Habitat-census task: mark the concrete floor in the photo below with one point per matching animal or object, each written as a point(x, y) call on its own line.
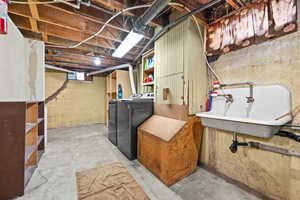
point(79, 148)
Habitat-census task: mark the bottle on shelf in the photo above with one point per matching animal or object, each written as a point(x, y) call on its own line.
point(120, 92)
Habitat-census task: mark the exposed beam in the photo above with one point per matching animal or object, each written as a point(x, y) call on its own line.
point(35, 15)
point(117, 6)
point(81, 59)
point(84, 54)
point(192, 5)
point(68, 34)
point(112, 4)
point(200, 20)
point(96, 16)
point(33, 24)
point(85, 48)
point(233, 4)
point(59, 19)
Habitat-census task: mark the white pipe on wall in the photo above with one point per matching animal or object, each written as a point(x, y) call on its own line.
point(124, 66)
point(58, 69)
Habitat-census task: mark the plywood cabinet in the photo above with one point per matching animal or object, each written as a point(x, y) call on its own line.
point(169, 147)
point(180, 67)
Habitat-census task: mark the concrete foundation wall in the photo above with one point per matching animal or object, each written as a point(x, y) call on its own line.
point(275, 175)
point(79, 104)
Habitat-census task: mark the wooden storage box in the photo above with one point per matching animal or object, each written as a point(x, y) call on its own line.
point(169, 147)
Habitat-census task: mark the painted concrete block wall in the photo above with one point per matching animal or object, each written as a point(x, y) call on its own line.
point(275, 175)
point(80, 103)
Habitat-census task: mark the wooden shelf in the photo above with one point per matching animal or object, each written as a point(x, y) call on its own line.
point(29, 152)
point(149, 71)
point(30, 126)
point(24, 142)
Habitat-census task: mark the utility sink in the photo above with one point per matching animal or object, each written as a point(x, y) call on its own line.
point(263, 118)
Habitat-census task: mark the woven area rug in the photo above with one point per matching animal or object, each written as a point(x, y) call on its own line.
point(110, 181)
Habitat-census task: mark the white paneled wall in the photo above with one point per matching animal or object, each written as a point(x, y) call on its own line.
point(180, 66)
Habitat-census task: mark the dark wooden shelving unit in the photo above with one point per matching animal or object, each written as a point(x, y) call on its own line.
point(22, 143)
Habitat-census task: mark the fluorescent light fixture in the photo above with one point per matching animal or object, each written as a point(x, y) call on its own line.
point(97, 61)
point(130, 41)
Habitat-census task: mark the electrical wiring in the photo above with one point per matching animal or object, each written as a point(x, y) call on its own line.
point(117, 14)
point(35, 2)
point(203, 41)
point(103, 27)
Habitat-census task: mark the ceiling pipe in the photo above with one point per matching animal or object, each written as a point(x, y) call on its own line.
point(156, 7)
point(77, 5)
point(177, 21)
point(58, 68)
point(124, 66)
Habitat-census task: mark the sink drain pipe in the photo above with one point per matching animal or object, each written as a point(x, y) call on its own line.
point(235, 144)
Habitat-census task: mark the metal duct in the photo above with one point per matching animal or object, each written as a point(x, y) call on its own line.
point(150, 14)
point(177, 21)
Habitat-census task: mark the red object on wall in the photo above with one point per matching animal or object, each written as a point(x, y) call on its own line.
point(3, 17)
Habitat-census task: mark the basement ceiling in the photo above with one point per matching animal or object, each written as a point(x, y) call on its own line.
point(60, 25)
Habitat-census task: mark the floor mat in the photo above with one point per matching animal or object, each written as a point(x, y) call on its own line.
point(110, 181)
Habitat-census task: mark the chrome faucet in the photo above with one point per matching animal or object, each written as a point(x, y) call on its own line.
point(250, 98)
point(228, 97)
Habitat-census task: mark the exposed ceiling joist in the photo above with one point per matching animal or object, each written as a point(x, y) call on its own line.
point(81, 59)
point(97, 16)
point(61, 20)
point(60, 32)
point(233, 4)
point(85, 48)
point(117, 6)
point(200, 20)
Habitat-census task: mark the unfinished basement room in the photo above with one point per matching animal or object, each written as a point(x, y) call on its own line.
point(149, 100)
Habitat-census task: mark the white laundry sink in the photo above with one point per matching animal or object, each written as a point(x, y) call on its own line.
point(263, 118)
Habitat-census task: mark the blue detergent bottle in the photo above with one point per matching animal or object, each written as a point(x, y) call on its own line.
point(120, 92)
